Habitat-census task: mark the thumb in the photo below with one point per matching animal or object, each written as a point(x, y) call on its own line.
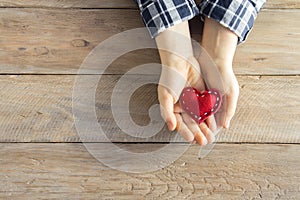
point(230, 109)
point(166, 101)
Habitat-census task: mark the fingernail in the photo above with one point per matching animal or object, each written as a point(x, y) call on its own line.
point(194, 142)
point(170, 126)
point(227, 124)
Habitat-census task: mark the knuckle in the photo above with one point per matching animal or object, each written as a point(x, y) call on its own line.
point(178, 126)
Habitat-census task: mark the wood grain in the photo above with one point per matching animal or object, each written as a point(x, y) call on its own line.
point(69, 4)
point(42, 41)
point(272, 4)
point(68, 171)
point(39, 38)
point(263, 53)
point(282, 4)
point(39, 109)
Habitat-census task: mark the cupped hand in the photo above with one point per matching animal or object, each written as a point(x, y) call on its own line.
point(219, 46)
point(176, 74)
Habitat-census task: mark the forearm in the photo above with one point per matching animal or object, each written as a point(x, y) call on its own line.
point(174, 44)
point(176, 54)
point(220, 44)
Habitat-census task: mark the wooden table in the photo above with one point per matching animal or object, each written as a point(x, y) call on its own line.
point(42, 45)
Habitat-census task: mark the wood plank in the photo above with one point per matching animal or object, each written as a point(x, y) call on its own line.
point(273, 4)
point(269, 48)
point(69, 4)
point(230, 171)
point(282, 4)
point(39, 109)
point(57, 41)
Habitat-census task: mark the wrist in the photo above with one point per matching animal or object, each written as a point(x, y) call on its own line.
point(224, 66)
point(178, 63)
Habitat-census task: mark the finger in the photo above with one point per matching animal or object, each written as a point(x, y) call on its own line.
point(194, 128)
point(166, 108)
point(211, 123)
point(220, 118)
point(232, 100)
point(177, 108)
point(207, 132)
point(183, 129)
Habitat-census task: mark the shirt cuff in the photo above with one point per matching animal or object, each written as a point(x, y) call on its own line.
point(162, 14)
point(236, 15)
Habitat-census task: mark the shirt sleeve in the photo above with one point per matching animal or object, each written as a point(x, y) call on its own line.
point(158, 15)
point(237, 15)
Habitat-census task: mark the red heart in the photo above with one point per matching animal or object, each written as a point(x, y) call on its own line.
point(200, 105)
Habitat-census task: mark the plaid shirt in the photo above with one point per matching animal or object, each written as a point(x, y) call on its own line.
point(237, 15)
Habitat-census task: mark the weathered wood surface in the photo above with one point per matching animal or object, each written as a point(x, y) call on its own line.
point(54, 37)
point(46, 41)
point(39, 109)
point(68, 171)
point(263, 53)
point(69, 4)
point(273, 4)
point(282, 4)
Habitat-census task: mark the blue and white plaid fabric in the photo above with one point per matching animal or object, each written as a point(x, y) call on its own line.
point(237, 15)
point(162, 14)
